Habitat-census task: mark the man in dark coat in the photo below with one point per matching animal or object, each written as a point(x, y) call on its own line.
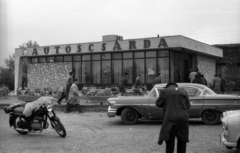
point(197, 79)
point(204, 81)
point(123, 83)
point(222, 84)
point(175, 103)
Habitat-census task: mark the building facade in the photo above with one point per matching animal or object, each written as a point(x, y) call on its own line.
point(104, 63)
point(229, 65)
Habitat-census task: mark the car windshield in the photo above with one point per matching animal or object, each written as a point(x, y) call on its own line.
point(208, 92)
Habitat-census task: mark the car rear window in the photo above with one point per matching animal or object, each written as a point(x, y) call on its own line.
point(192, 92)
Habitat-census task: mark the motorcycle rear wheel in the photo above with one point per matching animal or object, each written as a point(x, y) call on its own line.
point(59, 128)
point(17, 125)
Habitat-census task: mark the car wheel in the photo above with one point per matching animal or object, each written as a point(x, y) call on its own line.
point(129, 116)
point(211, 117)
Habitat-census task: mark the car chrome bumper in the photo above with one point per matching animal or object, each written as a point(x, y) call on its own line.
point(111, 112)
point(226, 143)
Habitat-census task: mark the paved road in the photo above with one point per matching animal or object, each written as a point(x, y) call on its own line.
point(96, 133)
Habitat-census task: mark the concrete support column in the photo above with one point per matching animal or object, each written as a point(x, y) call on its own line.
point(18, 73)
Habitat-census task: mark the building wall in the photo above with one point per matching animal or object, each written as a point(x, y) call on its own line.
point(48, 75)
point(207, 66)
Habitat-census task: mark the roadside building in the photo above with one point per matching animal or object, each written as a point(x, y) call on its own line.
point(229, 65)
point(104, 63)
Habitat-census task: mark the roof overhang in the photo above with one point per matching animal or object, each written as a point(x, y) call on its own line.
point(154, 43)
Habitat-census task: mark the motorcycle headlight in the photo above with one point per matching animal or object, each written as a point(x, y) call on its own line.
point(49, 108)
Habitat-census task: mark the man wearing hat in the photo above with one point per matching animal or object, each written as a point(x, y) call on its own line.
point(175, 103)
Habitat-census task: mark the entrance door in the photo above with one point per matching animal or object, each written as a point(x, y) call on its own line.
point(186, 71)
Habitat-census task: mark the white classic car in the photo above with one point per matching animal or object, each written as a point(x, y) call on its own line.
point(230, 136)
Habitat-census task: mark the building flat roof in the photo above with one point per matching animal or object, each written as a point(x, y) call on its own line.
point(152, 43)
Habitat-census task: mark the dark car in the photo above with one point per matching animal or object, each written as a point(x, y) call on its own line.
point(205, 104)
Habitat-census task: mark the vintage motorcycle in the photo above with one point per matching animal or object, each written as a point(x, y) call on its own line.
point(36, 122)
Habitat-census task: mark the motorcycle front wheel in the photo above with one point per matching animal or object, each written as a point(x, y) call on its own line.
point(20, 125)
point(59, 128)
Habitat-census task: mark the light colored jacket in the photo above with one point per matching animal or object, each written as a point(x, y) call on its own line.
point(73, 96)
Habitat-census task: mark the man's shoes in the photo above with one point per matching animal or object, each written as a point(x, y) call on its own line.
point(66, 112)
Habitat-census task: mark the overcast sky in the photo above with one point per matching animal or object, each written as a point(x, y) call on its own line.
point(53, 22)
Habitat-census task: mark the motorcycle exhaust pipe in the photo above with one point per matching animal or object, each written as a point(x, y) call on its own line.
point(22, 130)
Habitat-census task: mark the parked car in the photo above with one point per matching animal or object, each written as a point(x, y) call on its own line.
point(230, 136)
point(205, 103)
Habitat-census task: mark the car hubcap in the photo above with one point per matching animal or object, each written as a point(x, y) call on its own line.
point(211, 115)
point(130, 116)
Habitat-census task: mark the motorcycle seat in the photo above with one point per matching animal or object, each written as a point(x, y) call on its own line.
point(19, 110)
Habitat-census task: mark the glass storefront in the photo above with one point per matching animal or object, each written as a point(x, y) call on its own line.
point(108, 68)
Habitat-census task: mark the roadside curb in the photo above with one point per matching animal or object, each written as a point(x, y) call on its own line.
point(85, 108)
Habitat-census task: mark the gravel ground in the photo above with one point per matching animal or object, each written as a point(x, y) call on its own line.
point(94, 132)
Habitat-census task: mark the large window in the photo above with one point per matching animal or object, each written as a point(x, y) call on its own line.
point(106, 72)
point(117, 71)
point(128, 68)
point(117, 67)
point(96, 69)
point(176, 72)
point(77, 70)
point(163, 68)
point(86, 72)
point(151, 69)
point(139, 69)
point(86, 69)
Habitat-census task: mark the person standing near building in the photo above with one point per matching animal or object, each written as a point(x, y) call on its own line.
point(204, 81)
point(138, 81)
point(192, 75)
point(73, 98)
point(222, 84)
point(66, 89)
point(157, 79)
point(216, 85)
point(197, 79)
point(175, 103)
point(123, 83)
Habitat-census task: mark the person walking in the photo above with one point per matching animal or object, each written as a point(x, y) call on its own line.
point(123, 83)
point(138, 81)
point(157, 79)
point(175, 103)
point(73, 98)
point(216, 85)
point(222, 84)
point(66, 89)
